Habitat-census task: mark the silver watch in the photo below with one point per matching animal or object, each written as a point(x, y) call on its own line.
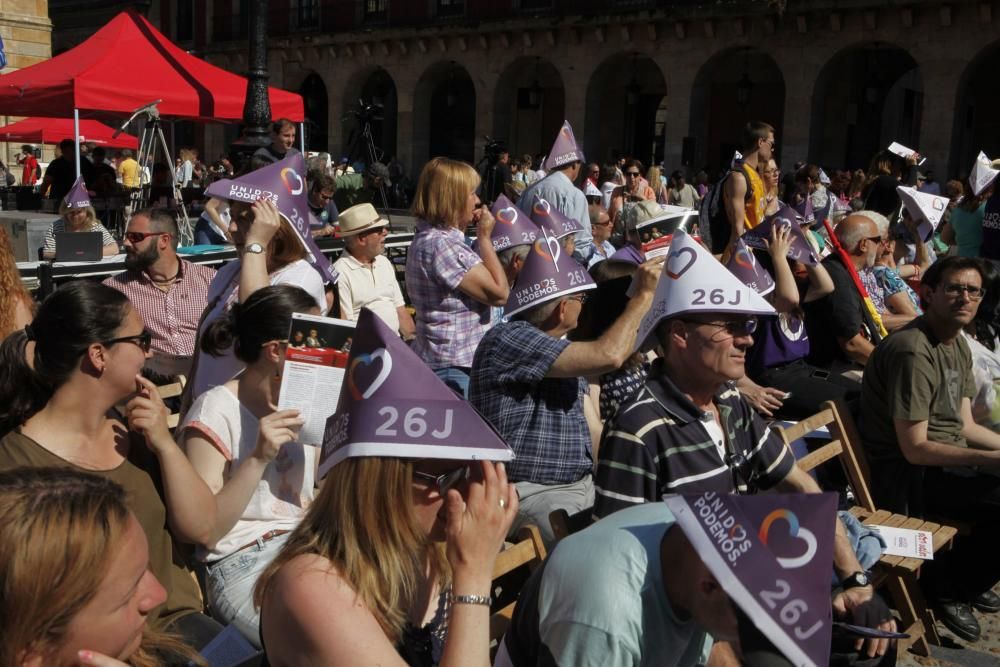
point(254, 249)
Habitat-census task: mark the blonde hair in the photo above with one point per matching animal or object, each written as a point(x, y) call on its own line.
point(12, 290)
point(58, 530)
point(363, 523)
point(91, 215)
point(653, 177)
point(442, 192)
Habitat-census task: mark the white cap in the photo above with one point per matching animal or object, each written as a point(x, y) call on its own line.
point(693, 281)
point(982, 174)
point(925, 209)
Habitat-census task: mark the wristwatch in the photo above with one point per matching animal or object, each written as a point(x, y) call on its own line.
point(856, 580)
point(254, 249)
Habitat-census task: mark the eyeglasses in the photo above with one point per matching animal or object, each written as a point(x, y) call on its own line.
point(376, 230)
point(444, 481)
point(139, 237)
point(579, 296)
point(143, 340)
point(734, 328)
point(601, 224)
point(633, 174)
point(955, 289)
point(874, 239)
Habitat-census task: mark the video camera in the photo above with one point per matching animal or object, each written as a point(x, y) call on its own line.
point(366, 112)
point(494, 148)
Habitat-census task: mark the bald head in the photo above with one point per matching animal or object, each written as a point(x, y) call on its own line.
point(861, 239)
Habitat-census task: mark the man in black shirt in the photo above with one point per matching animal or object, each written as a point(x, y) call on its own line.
point(282, 145)
point(61, 173)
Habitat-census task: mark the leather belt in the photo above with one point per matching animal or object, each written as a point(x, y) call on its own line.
point(266, 537)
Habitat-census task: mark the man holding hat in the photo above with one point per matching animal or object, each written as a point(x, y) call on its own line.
point(688, 430)
point(527, 380)
point(563, 166)
point(367, 277)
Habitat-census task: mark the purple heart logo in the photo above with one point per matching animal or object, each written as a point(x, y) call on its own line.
point(692, 256)
point(507, 216)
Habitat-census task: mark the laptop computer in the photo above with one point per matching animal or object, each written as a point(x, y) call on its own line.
point(79, 246)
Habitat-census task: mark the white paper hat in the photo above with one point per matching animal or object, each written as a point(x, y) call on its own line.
point(926, 209)
point(590, 190)
point(982, 174)
point(693, 281)
point(737, 157)
point(823, 178)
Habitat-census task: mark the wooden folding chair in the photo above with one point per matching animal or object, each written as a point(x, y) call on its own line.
point(898, 574)
point(565, 524)
point(510, 572)
point(170, 391)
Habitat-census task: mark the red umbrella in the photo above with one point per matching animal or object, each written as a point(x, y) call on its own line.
point(54, 130)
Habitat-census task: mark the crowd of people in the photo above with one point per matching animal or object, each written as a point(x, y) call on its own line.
point(587, 377)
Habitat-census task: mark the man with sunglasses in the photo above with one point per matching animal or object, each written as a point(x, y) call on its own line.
point(688, 429)
point(927, 454)
point(169, 292)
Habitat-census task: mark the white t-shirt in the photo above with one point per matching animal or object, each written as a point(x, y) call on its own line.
point(373, 286)
point(284, 492)
point(223, 292)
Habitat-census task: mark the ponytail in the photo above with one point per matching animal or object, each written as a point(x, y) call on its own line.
point(22, 391)
point(265, 316)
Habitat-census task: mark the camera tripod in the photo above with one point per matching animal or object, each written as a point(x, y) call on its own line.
point(363, 146)
point(152, 141)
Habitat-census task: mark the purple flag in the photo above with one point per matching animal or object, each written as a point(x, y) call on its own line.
point(799, 251)
point(773, 555)
point(392, 404)
point(547, 274)
point(551, 219)
point(744, 265)
point(565, 149)
point(284, 183)
point(513, 227)
point(77, 197)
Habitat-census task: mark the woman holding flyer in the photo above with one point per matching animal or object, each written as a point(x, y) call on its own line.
point(246, 451)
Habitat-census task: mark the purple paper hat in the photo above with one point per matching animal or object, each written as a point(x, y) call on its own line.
point(513, 227)
point(799, 251)
point(77, 197)
point(551, 220)
point(565, 149)
point(392, 404)
point(547, 274)
point(804, 209)
point(744, 265)
point(773, 555)
point(284, 183)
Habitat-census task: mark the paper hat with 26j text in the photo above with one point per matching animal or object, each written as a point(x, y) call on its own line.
point(693, 281)
point(983, 174)
point(773, 556)
point(284, 183)
point(551, 220)
point(785, 216)
point(548, 273)
point(925, 209)
point(565, 150)
point(512, 226)
point(392, 404)
point(77, 197)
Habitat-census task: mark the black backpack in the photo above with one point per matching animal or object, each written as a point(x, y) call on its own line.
point(713, 223)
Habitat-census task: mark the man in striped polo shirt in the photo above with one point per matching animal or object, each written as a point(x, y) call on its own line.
point(688, 430)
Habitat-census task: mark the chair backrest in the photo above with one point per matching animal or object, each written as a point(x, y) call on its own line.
point(512, 568)
point(565, 524)
point(172, 390)
point(845, 445)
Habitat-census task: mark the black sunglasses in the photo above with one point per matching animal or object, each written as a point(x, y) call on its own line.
point(733, 327)
point(446, 480)
point(143, 340)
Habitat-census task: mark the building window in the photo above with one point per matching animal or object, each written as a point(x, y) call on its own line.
point(450, 7)
point(305, 14)
point(185, 21)
point(376, 11)
point(531, 5)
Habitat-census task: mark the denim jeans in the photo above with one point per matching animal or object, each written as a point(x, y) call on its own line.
point(457, 379)
point(230, 581)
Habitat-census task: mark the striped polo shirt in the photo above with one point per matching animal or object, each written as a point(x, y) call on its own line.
point(659, 442)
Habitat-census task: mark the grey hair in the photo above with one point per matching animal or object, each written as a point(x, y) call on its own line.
point(536, 315)
point(507, 255)
point(880, 221)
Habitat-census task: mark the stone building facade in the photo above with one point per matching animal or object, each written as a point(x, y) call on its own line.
point(660, 80)
point(27, 39)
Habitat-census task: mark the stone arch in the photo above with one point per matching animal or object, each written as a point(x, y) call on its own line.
point(374, 86)
point(444, 114)
point(977, 123)
point(624, 114)
point(865, 97)
point(733, 87)
point(529, 105)
point(317, 112)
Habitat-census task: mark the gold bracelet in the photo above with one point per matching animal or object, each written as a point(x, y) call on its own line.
point(484, 600)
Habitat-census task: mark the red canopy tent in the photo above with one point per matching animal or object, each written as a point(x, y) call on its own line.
point(127, 64)
point(54, 130)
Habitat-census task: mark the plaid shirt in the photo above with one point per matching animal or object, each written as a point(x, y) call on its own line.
point(172, 316)
point(450, 324)
point(540, 418)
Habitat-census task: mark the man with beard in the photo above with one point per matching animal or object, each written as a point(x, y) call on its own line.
point(169, 292)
